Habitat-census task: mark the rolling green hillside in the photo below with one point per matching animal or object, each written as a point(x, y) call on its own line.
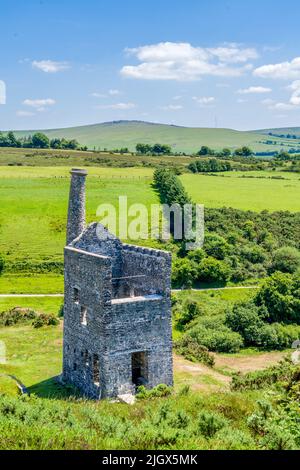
point(280, 131)
point(182, 139)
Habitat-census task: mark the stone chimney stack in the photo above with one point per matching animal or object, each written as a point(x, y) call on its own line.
point(76, 211)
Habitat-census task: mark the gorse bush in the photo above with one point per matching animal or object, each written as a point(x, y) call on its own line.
point(193, 351)
point(19, 315)
point(216, 337)
point(16, 316)
point(286, 260)
point(45, 320)
point(159, 391)
point(280, 295)
point(283, 372)
point(209, 423)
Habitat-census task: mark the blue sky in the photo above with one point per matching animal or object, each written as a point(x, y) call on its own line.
point(221, 63)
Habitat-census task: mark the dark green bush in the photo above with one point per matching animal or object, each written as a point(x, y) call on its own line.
point(209, 423)
point(286, 259)
point(193, 351)
point(219, 338)
point(16, 316)
point(45, 320)
point(159, 391)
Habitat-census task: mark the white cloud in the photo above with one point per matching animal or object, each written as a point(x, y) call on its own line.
point(106, 95)
point(295, 98)
point(233, 53)
point(24, 113)
point(284, 70)
point(254, 90)
point(184, 62)
point(2, 92)
point(50, 66)
point(114, 92)
point(98, 95)
point(241, 100)
point(293, 103)
point(205, 100)
point(40, 104)
point(177, 98)
point(120, 106)
point(172, 107)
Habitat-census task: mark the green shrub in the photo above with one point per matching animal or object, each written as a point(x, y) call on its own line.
point(219, 339)
point(280, 295)
point(213, 270)
point(193, 351)
point(216, 246)
point(45, 320)
point(209, 423)
point(286, 259)
point(159, 391)
point(16, 316)
point(188, 312)
point(184, 273)
point(283, 371)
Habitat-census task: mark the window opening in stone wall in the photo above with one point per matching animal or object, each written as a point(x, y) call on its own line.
point(139, 363)
point(76, 295)
point(96, 369)
point(85, 355)
point(83, 315)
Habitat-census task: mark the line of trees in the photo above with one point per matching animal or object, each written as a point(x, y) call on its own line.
point(156, 149)
point(244, 151)
point(211, 165)
point(39, 141)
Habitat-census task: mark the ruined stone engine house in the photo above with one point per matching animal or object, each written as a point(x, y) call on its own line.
point(117, 310)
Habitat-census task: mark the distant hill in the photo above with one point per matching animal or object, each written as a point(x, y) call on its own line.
point(118, 134)
point(280, 131)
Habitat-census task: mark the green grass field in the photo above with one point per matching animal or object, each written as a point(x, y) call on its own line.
point(182, 139)
point(254, 191)
point(34, 206)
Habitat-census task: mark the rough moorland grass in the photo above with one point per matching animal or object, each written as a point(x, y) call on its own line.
point(256, 194)
point(54, 418)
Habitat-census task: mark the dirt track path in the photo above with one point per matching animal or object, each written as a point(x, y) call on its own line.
point(201, 377)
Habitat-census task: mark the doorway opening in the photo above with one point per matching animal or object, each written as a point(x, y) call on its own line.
point(139, 364)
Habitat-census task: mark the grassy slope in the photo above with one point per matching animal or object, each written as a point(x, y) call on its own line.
point(258, 194)
point(280, 131)
point(184, 139)
point(34, 205)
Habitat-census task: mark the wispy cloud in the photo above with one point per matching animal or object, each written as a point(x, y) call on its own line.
point(120, 106)
point(39, 104)
point(172, 107)
point(50, 66)
point(184, 62)
point(112, 92)
point(254, 90)
point(2, 92)
point(293, 103)
point(205, 101)
point(283, 70)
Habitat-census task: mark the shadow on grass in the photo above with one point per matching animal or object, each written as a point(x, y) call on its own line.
point(53, 389)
